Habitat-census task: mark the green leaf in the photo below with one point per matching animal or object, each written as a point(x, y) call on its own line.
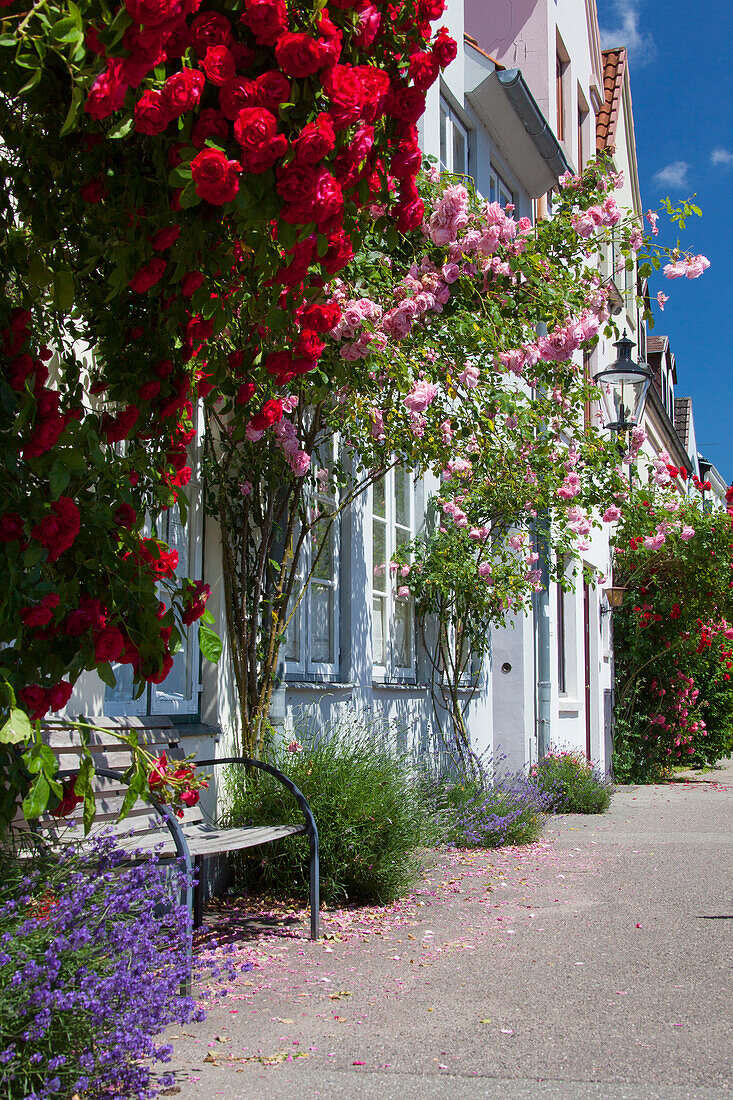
point(180, 176)
point(31, 82)
point(58, 479)
point(122, 129)
point(207, 617)
point(16, 729)
point(36, 800)
point(135, 789)
point(66, 30)
point(175, 642)
point(210, 643)
point(189, 196)
point(106, 675)
point(73, 112)
point(63, 291)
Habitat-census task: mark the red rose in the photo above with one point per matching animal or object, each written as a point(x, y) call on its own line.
point(256, 131)
point(199, 328)
point(108, 92)
point(157, 774)
point(164, 238)
point(20, 369)
point(301, 256)
point(219, 65)
point(125, 515)
point(59, 695)
point(94, 191)
point(159, 677)
point(430, 10)
point(152, 13)
point(11, 528)
point(148, 275)
point(178, 41)
point(298, 54)
point(370, 21)
point(376, 85)
point(36, 701)
point(267, 19)
point(344, 87)
point(236, 95)
point(444, 48)
point(424, 70)
point(406, 160)
point(189, 285)
point(41, 614)
point(271, 89)
point(279, 364)
point(297, 182)
point(315, 140)
point(151, 113)
point(410, 210)
point(182, 91)
point(339, 253)
point(69, 799)
point(406, 104)
point(108, 645)
point(320, 317)
point(117, 428)
point(210, 30)
point(215, 177)
point(210, 124)
point(309, 345)
point(57, 531)
point(245, 393)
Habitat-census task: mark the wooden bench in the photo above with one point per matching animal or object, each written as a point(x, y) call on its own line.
point(152, 825)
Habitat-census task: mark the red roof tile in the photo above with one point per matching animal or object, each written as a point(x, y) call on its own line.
point(614, 66)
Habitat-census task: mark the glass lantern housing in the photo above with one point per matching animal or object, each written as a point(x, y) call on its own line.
point(624, 386)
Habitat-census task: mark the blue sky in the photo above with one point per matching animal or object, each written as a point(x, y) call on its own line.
point(679, 61)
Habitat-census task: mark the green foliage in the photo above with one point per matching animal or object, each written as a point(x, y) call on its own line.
point(367, 809)
point(673, 637)
point(572, 784)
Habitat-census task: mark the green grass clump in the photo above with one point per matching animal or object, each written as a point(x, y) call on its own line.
point(571, 784)
point(370, 820)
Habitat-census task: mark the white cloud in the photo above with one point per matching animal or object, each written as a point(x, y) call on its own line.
point(625, 31)
point(721, 157)
point(673, 175)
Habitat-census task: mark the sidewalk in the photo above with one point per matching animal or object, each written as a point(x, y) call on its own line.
point(594, 964)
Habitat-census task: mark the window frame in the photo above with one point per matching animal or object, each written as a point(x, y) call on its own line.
point(389, 671)
point(305, 667)
point(448, 123)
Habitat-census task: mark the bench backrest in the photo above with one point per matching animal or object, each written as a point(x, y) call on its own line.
point(156, 733)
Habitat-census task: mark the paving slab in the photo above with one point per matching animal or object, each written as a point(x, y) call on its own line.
point(596, 963)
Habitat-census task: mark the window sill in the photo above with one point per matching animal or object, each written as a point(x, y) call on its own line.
point(317, 685)
point(399, 685)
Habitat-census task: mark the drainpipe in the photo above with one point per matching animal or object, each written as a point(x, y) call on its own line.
point(541, 620)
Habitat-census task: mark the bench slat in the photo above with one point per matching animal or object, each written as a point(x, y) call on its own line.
point(206, 840)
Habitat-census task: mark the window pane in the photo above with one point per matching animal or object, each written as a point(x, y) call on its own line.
point(379, 555)
point(323, 551)
point(292, 638)
point(322, 623)
point(444, 139)
point(402, 496)
point(379, 632)
point(460, 151)
point(403, 633)
point(379, 503)
point(122, 691)
point(402, 537)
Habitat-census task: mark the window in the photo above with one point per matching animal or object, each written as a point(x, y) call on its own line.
point(561, 656)
point(453, 142)
point(499, 191)
point(560, 67)
point(179, 692)
point(582, 130)
point(393, 511)
point(312, 638)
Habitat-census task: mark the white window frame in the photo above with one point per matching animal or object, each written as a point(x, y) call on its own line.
point(499, 189)
point(155, 699)
point(450, 124)
point(385, 667)
point(303, 666)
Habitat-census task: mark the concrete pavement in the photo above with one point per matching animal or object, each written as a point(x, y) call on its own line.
point(595, 964)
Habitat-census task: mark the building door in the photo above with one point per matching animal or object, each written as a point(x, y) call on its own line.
point(586, 662)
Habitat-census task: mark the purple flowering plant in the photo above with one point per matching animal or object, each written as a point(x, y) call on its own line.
point(93, 952)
